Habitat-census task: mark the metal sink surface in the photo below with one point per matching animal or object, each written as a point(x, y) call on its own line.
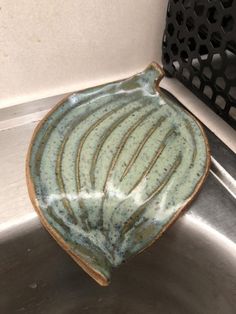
point(190, 269)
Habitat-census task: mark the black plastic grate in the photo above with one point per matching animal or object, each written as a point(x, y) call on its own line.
point(199, 49)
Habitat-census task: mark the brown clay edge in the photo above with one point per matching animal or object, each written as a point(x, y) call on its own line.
point(98, 277)
point(200, 182)
point(192, 197)
point(103, 281)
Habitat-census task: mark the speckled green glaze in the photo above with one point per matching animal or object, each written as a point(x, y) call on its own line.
point(112, 167)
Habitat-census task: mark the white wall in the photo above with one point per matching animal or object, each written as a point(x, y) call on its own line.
point(51, 47)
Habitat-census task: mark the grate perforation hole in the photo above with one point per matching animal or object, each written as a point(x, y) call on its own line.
point(176, 65)
point(203, 31)
point(192, 44)
point(174, 48)
point(179, 17)
point(203, 51)
point(220, 102)
point(199, 8)
point(187, 4)
point(220, 83)
point(212, 15)
point(216, 39)
point(196, 64)
point(232, 93)
point(227, 23)
point(186, 73)
point(230, 72)
point(184, 55)
point(216, 61)
point(232, 113)
point(208, 92)
point(190, 24)
point(226, 3)
point(170, 29)
point(166, 57)
point(207, 73)
point(196, 82)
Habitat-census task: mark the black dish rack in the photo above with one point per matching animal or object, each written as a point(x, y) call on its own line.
point(199, 49)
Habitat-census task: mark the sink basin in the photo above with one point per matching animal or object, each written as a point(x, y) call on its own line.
point(190, 269)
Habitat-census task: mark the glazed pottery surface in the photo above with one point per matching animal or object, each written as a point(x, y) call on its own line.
point(111, 167)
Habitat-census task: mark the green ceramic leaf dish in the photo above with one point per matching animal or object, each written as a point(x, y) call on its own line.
point(111, 167)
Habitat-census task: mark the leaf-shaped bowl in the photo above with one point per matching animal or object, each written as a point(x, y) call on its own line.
point(111, 167)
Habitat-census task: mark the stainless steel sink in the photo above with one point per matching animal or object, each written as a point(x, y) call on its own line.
point(191, 269)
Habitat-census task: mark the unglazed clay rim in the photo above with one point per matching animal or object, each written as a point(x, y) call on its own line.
point(97, 276)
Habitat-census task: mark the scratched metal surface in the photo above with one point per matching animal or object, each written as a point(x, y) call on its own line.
point(191, 269)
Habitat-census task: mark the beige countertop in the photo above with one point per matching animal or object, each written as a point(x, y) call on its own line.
point(54, 47)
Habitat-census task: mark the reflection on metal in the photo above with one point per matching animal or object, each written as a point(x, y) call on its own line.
point(223, 177)
point(12, 224)
point(214, 235)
